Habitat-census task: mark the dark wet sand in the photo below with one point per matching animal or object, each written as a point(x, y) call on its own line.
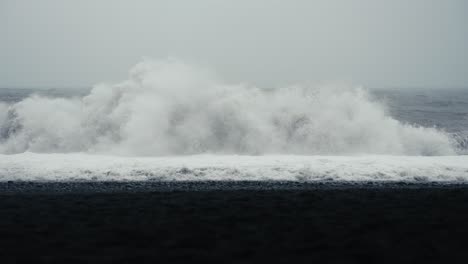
point(232, 222)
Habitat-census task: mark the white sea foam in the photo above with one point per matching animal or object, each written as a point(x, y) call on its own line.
point(171, 108)
point(375, 168)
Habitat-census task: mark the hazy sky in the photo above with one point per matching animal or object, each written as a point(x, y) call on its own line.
point(267, 42)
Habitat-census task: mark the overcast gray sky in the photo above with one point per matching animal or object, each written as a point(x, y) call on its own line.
point(267, 42)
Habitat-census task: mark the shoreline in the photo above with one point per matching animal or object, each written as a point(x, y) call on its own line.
point(48, 187)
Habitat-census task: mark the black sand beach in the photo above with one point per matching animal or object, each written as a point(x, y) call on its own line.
point(232, 222)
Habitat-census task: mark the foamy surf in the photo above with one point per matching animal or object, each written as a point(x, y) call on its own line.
point(160, 124)
point(375, 168)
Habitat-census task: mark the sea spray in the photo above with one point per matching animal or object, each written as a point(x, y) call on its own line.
point(171, 108)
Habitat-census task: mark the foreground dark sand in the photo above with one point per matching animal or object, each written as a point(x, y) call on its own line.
point(232, 222)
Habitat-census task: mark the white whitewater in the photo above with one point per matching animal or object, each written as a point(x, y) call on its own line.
point(171, 121)
point(375, 168)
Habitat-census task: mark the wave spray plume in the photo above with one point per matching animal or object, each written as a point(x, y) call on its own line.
point(171, 108)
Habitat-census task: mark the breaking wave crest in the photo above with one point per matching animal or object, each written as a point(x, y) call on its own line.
point(171, 108)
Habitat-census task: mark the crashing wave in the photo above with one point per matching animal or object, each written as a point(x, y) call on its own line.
point(171, 108)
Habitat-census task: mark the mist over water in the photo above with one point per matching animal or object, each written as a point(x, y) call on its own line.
point(171, 108)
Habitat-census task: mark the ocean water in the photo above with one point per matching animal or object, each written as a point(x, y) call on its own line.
point(172, 121)
point(443, 108)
